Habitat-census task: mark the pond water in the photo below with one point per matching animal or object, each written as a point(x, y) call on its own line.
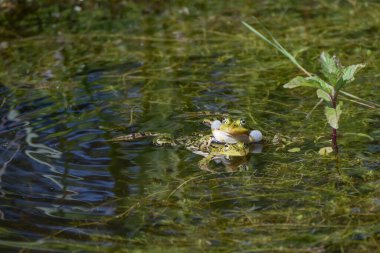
point(82, 78)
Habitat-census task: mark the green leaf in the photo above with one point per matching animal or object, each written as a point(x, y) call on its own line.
point(370, 138)
point(350, 71)
point(325, 151)
point(333, 115)
point(328, 62)
point(321, 83)
point(340, 84)
point(348, 75)
point(300, 81)
point(324, 95)
point(294, 150)
point(331, 67)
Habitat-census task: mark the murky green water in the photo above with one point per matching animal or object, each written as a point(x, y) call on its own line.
point(75, 75)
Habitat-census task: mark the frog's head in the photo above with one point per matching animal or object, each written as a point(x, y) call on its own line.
point(234, 127)
point(230, 131)
point(237, 149)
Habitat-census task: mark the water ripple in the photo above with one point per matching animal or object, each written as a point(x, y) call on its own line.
point(54, 161)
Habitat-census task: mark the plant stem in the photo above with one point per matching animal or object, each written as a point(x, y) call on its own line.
point(334, 141)
point(334, 136)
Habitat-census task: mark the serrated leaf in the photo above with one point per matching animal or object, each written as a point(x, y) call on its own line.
point(333, 115)
point(340, 84)
point(311, 81)
point(350, 71)
point(328, 62)
point(321, 83)
point(331, 67)
point(300, 81)
point(324, 95)
point(348, 75)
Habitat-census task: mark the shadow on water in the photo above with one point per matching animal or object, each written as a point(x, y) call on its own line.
point(64, 186)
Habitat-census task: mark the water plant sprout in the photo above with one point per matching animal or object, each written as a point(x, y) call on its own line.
point(336, 77)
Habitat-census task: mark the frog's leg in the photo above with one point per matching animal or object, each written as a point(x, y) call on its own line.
point(208, 140)
point(205, 142)
point(203, 164)
point(164, 140)
point(135, 136)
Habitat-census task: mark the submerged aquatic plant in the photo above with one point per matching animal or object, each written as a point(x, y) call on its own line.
point(336, 77)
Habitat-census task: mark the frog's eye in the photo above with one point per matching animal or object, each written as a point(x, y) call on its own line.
point(226, 147)
point(243, 122)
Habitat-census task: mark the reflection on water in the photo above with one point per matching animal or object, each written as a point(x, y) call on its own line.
point(54, 164)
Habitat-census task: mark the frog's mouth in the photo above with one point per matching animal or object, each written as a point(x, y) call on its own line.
point(234, 130)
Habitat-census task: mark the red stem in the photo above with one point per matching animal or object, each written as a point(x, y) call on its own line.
point(334, 141)
point(334, 135)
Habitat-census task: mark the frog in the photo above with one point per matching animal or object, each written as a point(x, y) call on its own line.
point(197, 143)
point(225, 153)
point(233, 131)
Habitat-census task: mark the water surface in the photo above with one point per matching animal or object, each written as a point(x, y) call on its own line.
point(83, 78)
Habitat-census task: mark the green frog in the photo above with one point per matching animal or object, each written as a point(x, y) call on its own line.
point(197, 143)
point(233, 131)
